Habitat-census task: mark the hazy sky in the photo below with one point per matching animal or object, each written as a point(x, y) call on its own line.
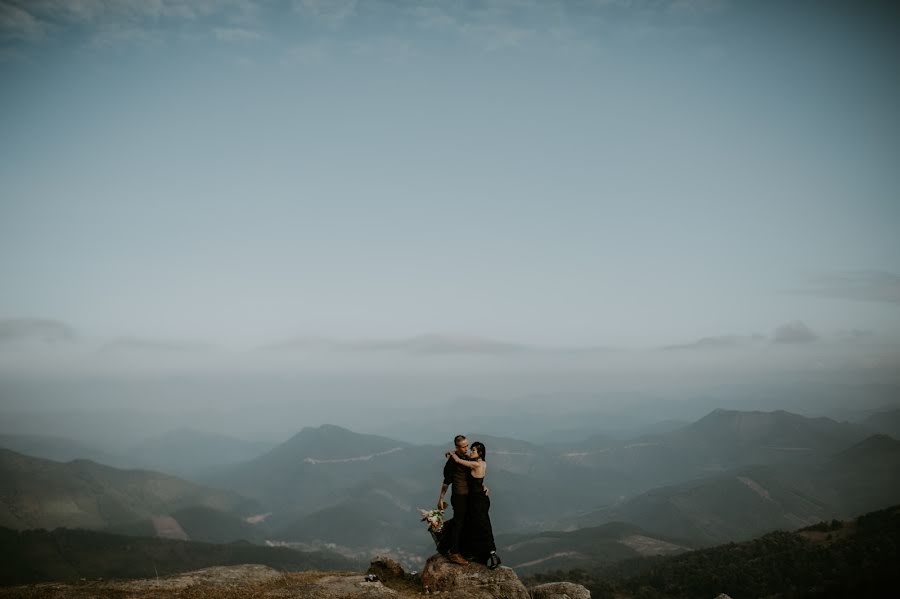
point(554, 172)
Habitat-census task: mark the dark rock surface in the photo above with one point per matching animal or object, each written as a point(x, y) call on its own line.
point(440, 577)
point(387, 569)
point(559, 590)
point(472, 581)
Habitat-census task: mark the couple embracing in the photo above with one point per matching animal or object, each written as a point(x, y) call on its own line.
point(469, 533)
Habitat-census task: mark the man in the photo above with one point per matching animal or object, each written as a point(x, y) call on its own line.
point(455, 476)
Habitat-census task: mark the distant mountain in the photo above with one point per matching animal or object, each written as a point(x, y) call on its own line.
point(720, 441)
point(35, 330)
point(322, 484)
point(662, 427)
point(863, 477)
point(320, 465)
point(72, 555)
point(779, 431)
point(750, 501)
point(60, 449)
point(856, 558)
point(887, 422)
point(329, 443)
point(586, 548)
point(380, 513)
point(197, 523)
point(316, 467)
point(40, 493)
point(383, 512)
point(719, 342)
point(877, 451)
point(725, 507)
point(187, 452)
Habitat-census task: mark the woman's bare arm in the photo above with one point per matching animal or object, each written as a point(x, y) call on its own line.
point(459, 460)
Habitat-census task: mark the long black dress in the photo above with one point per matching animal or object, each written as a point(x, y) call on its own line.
point(477, 540)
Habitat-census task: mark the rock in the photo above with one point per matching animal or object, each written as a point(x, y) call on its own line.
point(256, 581)
point(218, 576)
point(444, 579)
point(473, 581)
point(343, 586)
point(386, 569)
point(559, 590)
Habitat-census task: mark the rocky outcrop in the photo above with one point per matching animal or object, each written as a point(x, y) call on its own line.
point(559, 590)
point(473, 581)
point(384, 580)
point(257, 581)
point(218, 577)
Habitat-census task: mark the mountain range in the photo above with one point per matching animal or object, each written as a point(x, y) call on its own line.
point(726, 477)
point(73, 555)
point(585, 548)
point(852, 558)
point(182, 451)
point(750, 500)
point(40, 493)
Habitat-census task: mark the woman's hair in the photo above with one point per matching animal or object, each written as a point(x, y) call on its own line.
point(479, 447)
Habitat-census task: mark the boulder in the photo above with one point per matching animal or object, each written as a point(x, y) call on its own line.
point(559, 590)
point(386, 569)
point(473, 581)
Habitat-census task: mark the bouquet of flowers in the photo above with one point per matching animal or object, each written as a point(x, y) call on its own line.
point(435, 520)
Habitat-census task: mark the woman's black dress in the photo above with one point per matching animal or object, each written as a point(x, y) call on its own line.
point(477, 540)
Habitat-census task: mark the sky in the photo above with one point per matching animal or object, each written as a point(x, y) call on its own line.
point(559, 173)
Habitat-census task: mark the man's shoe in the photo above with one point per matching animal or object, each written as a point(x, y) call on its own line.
point(457, 559)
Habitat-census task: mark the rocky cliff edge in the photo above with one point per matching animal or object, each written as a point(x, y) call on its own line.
point(384, 579)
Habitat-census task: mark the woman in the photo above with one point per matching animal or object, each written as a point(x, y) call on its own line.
point(478, 536)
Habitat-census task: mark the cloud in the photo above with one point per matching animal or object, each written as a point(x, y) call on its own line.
point(236, 34)
point(11, 55)
point(493, 25)
point(697, 7)
point(436, 343)
point(310, 53)
point(794, 332)
point(855, 335)
point(332, 12)
point(860, 285)
point(16, 23)
point(490, 25)
point(433, 17)
point(95, 11)
point(15, 330)
point(718, 342)
point(136, 345)
point(497, 36)
point(432, 343)
point(109, 22)
point(113, 36)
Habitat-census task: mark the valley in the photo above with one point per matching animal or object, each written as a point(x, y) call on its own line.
point(729, 476)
